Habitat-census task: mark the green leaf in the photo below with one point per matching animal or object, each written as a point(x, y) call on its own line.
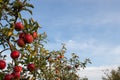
point(25, 9)
point(29, 5)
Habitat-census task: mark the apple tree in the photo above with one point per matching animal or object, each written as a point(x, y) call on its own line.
point(113, 74)
point(30, 60)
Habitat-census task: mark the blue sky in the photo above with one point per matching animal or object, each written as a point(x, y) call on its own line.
point(90, 28)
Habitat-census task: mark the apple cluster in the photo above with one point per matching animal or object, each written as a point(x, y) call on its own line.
point(24, 38)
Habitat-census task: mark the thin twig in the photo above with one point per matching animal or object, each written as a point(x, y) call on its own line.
point(4, 50)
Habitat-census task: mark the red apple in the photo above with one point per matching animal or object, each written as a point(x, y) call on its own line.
point(17, 69)
point(2, 64)
point(28, 38)
point(21, 42)
point(19, 26)
point(35, 35)
point(16, 75)
point(15, 54)
point(69, 67)
point(8, 77)
point(21, 35)
point(60, 57)
point(31, 67)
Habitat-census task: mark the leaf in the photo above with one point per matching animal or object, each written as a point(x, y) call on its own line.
point(19, 15)
point(25, 21)
point(0, 0)
point(33, 78)
point(29, 5)
point(25, 9)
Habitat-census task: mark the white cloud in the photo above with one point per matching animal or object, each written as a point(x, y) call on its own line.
point(95, 73)
point(74, 45)
point(102, 51)
point(116, 50)
point(99, 53)
point(94, 45)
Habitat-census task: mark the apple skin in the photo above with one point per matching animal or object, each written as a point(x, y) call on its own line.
point(21, 35)
point(19, 26)
point(15, 54)
point(17, 69)
point(21, 42)
point(60, 57)
point(2, 64)
point(31, 67)
point(8, 77)
point(35, 35)
point(16, 75)
point(28, 38)
point(68, 67)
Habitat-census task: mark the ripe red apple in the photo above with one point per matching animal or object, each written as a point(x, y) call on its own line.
point(31, 67)
point(19, 26)
point(69, 67)
point(16, 75)
point(2, 64)
point(21, 42)
point(35, 35)
point(60, 57)
point(17, 69)
point(8, 77)
point(21, 35)
point(15, 54)
point(28, 38)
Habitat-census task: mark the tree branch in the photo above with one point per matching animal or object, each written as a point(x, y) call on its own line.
point(4, 50)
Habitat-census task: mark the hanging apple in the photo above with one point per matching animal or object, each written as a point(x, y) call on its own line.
point(31, 67)
point(2, 64)
point(15, 54)
point(19, 26)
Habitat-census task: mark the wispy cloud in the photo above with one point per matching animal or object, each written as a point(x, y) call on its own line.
point(95, 73)
point(93, 49)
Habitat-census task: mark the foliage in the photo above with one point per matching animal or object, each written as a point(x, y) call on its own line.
point(49, 65)
point(113, 75)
